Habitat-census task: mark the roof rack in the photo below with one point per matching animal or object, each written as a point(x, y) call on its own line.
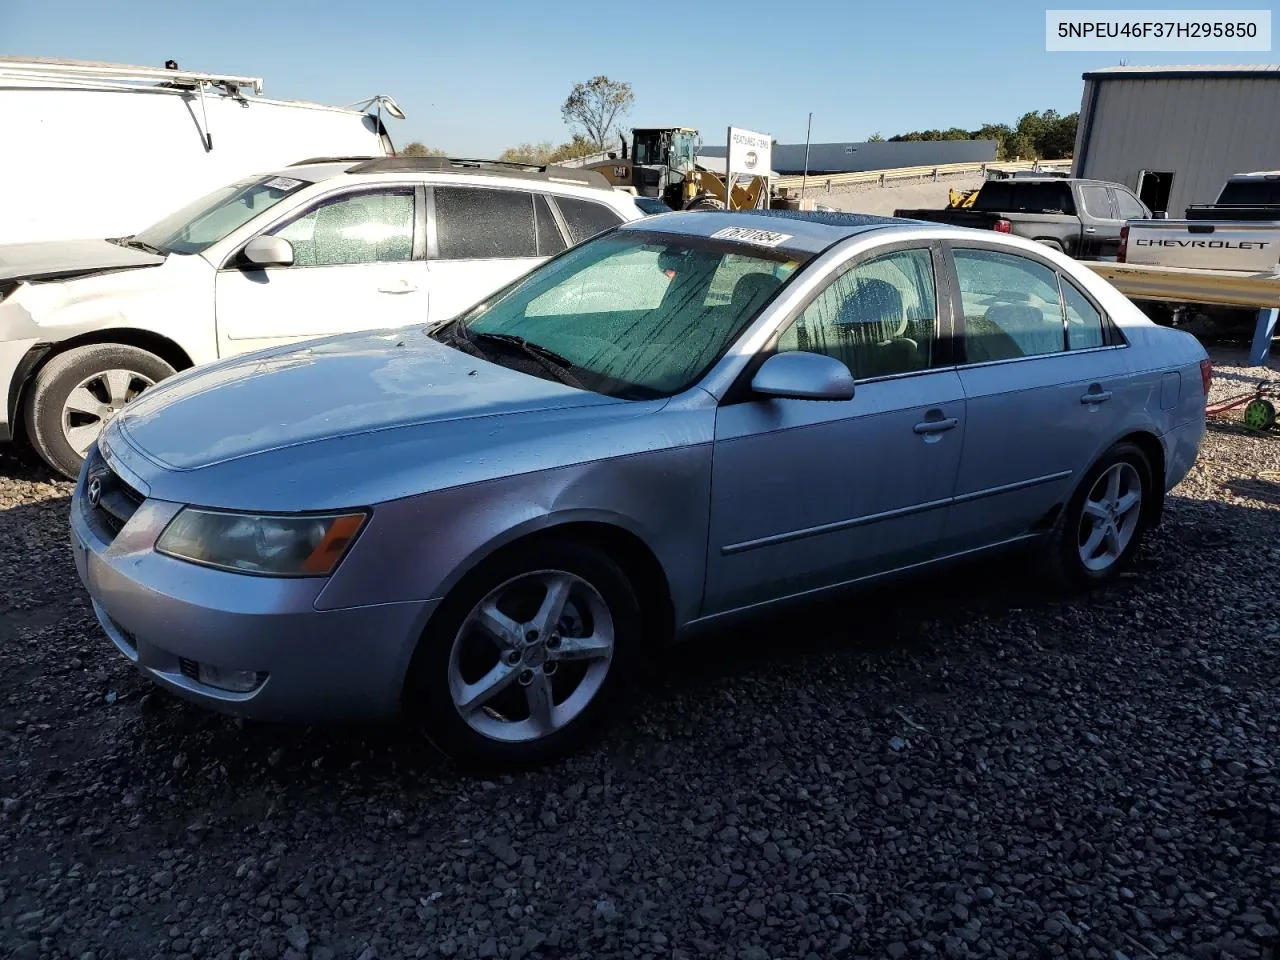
point(499, 168)
point(38, 67)
point(311, 160)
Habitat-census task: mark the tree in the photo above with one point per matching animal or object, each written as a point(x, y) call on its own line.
point(547, 152)
point(875, 138)
point(596, 106)
point(420, 149)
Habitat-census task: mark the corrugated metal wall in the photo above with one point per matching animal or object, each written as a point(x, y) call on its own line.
point(1203, 129)
point(854, 157)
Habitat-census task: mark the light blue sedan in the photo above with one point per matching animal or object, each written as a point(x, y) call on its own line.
point(690, 418)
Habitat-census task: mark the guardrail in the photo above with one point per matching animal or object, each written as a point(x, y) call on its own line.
point(825, 181)
point(1260, 291)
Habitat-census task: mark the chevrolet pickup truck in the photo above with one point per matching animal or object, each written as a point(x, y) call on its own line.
point(1239, 231)
point(1082, 218)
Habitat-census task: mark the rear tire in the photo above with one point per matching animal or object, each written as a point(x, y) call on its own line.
point(580, 659)
point(1099, 531)
point(78, 392)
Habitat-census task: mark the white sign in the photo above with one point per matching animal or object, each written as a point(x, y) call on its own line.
point(1157, 30)
point(761, 238)
point(749, 152)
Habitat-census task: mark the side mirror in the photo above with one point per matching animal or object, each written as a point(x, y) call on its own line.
point(803, 376)
point(269, 252)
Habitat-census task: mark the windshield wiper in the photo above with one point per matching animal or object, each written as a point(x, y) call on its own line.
point(554, 362)
point(133, 241)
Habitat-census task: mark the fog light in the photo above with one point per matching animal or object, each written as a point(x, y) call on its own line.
point(233, 681)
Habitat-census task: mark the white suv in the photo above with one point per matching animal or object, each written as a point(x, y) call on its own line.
point(323, 247)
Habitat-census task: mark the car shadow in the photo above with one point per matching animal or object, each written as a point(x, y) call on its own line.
point(886, 650)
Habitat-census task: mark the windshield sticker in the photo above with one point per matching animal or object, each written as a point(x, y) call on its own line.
point(761, 238)
point(283, 183)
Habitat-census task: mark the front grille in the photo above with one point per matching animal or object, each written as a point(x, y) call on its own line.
point(189, 668)
point(109, 501)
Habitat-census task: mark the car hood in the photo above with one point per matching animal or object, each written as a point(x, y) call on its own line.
point(62, 260)
point(337, 387)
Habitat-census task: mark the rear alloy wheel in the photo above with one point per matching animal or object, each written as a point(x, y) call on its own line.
point(519, 667)
point(79, 392)
point(1100, 529)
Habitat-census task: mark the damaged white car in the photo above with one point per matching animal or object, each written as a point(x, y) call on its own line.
point(309, 251)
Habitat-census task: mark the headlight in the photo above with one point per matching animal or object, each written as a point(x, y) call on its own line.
point(274, 546)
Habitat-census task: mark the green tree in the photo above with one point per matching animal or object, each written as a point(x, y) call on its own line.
point(420, 149)
point(596, 106)
point(875, 138)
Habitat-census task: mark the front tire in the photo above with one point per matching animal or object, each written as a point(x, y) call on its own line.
point(78, 392)
point(1101, 528)
point(525, 658)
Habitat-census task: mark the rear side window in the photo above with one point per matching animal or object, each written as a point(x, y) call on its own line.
point(477, 224)
point(550, 240)
point(1096, 203)
point(585, 219)
point(1011, 306)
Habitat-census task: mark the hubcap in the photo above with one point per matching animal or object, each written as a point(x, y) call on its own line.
point(531, 656)
point(92, 404)
point(1110, 516)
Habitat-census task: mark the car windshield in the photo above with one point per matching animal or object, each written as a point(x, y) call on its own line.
point(635, 314)
point(201, 224)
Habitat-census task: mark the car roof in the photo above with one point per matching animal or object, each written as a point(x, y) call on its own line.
point(809, 231)
point(317, 169)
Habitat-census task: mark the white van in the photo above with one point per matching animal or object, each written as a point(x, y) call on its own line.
point(96, 150)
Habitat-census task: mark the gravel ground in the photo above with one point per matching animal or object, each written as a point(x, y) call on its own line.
point(960, 769)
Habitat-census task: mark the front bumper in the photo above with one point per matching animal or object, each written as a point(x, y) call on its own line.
point(166, 615)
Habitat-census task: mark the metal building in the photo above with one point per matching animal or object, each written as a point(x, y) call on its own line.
point(1175, 134)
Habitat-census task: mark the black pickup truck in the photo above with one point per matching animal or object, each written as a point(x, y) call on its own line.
point(1246, 196)
point(1082, 218)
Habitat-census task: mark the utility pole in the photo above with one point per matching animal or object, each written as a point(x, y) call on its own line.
point(804, 181)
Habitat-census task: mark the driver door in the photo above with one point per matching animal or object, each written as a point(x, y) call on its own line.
point(358, 265)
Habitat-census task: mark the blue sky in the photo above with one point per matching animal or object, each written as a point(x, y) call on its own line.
point(476, 77)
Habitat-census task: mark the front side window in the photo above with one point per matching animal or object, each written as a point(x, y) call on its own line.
point(474, 223)
point(1011, 306)
point(585, 219)
point(204, 222)
point(879, 318)
point(1128, 207)
point(631, 314)
point(373, 227)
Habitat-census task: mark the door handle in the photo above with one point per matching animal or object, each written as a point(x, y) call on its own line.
point(403, 288)
point(1090, 229)
point(1096, 396)
point(935, 426)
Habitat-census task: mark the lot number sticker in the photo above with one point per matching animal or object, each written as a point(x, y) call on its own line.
point(761, 238)
point(283, 183)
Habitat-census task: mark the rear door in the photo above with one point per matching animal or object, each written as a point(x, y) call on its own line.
point(358, 264)
point(1047, 387)
point(479, 239)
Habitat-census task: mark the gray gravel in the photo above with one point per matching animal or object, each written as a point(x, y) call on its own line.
point(963, 767)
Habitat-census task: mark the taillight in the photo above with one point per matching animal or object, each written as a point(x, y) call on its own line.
point(1124, 244)
point(1002, 226)
point(1206, 375)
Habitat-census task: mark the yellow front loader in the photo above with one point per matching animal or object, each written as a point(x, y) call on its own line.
point(664, 164)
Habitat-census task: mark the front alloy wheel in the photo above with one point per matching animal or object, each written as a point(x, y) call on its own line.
point(531, 656)
point(524, 659)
